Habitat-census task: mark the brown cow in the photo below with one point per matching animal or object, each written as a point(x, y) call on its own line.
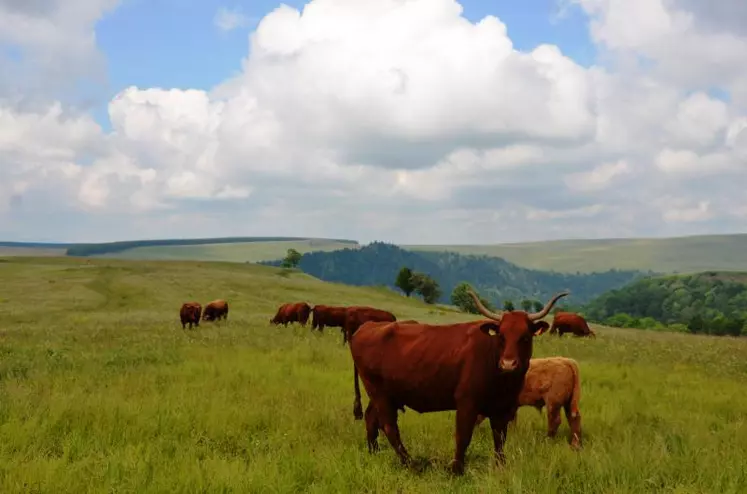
point(569, 322)
point(357, 315)
point(292, 312)
point(475, 367)
point(555, 382)
point(280, 317)
point(215, 310)
point(190, 314)
point(327, 315)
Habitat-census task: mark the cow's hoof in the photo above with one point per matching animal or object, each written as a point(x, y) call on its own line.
point(456, 467)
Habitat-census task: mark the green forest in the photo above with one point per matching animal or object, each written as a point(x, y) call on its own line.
point(710, 303)
point(496, 279)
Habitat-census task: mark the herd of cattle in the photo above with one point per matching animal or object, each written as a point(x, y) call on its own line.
point(190, 312)
point(482, 369)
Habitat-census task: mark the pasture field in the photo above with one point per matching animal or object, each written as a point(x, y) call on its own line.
point(662, 255)
point(102, 391)
point(233, 252)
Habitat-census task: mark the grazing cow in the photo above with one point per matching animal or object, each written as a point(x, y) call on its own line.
point(541, 326)
point(327, 315)
point(555, 382)
point(215, 310)
point(475, 367)
point(357, 315)
point(190, 314)
point(289, 313)
point(280, 315)
point(569, 322)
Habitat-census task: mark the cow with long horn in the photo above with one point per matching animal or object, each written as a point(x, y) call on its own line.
point(475, 368)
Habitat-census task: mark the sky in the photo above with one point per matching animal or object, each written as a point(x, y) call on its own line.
point(406, 121)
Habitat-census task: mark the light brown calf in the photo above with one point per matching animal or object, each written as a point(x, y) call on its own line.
point(554, 382)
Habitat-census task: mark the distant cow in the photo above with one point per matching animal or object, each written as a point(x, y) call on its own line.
point(327, 315)
point(280, 316)
point(190, 314)
point(569, 322)
point(289, 313)
point(475, 368)
point(554, 382)
point(215, 310)
point(357, 315)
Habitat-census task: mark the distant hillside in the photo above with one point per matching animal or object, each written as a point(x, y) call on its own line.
point(711, 302)
point(118, 247)
point(497, 279)
point(229, 252)
point(661, 255)
point(37, 249)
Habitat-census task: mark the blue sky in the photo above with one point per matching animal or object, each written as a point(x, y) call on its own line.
point(438, 134)
point(175, 43)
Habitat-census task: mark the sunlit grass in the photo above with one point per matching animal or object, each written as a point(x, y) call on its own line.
point(102, 391)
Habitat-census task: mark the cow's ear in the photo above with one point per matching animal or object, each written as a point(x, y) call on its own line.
point(490, 328)
point(540, 327)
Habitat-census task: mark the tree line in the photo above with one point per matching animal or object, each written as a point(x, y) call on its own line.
point(496, 279)
point(712, 303)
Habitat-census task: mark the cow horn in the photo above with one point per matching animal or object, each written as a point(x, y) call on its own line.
point(497, 316)
point(546, 309)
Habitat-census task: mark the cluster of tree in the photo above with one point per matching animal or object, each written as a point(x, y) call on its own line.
point(494, 278)
point(710, 303)
point(410, 281)
point(83, 250)
point(291, 259)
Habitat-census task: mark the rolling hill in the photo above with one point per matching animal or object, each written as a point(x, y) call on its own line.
point(662, 255)
point(102, 391)
point(378, 264)
point(229, 252)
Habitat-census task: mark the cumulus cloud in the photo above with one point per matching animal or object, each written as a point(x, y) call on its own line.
point(55, 45)
point(400, 121)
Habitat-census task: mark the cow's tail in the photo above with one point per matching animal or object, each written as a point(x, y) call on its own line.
point(576, 392)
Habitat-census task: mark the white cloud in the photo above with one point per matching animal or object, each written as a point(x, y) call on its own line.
point(394, 120)
point(58, 44)
point(678, 210)
point(598, 178)
point(230, 19)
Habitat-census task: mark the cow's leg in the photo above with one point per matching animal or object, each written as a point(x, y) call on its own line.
point(357, 407)
point(575, 425)
point(387, 415)
point(499, 425)
point(372, 428)
point(466, 417)
point(553, 419)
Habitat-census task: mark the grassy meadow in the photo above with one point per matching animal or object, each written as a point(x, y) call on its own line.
point(102, 391)
point(663, 255)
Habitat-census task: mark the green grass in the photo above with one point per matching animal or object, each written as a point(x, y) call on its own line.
point(102, 391)
point(233, 252)
point(663, 255)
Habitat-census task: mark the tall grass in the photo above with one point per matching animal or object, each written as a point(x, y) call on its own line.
point(102, 391)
